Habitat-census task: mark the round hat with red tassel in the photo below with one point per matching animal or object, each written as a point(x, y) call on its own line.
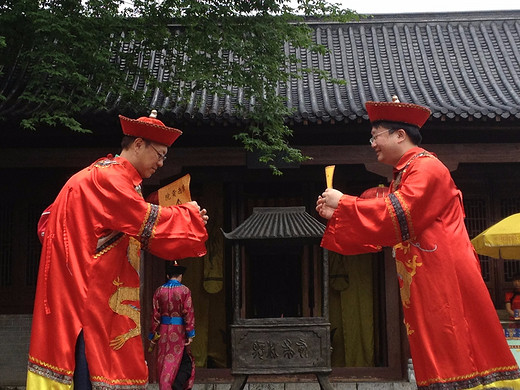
point(395, 111)
point(149, 128)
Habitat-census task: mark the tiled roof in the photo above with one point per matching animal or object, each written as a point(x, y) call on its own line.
point(465, 64)
point(277, 223)
point(461, 65)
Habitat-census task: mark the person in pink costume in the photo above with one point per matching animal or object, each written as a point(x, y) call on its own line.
point(173, 330)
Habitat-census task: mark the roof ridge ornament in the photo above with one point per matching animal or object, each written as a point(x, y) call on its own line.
point(395, 99)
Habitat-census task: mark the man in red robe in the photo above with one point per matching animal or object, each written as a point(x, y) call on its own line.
point(173, 330)
point(86, 311)
point(455, 336)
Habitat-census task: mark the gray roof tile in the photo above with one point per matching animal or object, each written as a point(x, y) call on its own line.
point(277, 223)
point(457, 64)
point(461, 65)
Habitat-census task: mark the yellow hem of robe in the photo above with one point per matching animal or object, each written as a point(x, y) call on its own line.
point(513, 384)
point(38, 382)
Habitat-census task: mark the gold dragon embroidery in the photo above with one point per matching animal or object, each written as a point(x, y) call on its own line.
point(409, 330)
point(127, 294)
point(406, 270)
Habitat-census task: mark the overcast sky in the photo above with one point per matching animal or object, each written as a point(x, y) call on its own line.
point(407, 6)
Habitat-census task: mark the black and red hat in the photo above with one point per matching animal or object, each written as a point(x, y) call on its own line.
point(395, 111)
point(149, 128)
point(173, 268)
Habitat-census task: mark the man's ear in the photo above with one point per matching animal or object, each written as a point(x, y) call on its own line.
point(138, 143)
point(401, 134)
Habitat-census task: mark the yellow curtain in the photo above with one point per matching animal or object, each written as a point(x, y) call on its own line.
point(193, 279)
point(351, 303)
point(205, 279)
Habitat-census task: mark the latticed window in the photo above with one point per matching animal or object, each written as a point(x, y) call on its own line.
point(510, 205)
point(477, 220)
point(483, 210)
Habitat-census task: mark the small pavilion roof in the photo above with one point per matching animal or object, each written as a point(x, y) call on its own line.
point(277, 223)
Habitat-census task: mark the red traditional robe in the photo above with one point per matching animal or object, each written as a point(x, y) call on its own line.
point(89, 275)
point(455, 337)
point(174, 319)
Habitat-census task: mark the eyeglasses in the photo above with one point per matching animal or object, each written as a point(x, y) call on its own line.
point(161, 157)
point(373, 138)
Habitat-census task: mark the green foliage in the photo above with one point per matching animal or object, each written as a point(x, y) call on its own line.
point(65, 57)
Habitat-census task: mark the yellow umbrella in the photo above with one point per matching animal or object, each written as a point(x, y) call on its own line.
point(502, 240)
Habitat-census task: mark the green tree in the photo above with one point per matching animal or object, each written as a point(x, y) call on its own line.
point(61, 58)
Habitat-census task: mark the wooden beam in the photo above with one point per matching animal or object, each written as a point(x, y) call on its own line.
point(82, 157)
point(450, 154)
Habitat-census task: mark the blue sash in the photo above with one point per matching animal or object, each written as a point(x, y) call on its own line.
point(172, 320)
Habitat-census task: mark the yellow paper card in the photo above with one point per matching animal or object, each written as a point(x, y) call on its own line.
point(329, 174)
point(175, 193)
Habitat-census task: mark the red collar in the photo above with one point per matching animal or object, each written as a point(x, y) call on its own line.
point(405, 158)
point(132, 172)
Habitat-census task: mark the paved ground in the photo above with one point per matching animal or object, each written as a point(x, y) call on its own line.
point(288, 386)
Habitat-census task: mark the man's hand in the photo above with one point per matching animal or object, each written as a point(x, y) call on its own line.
point(203, 212)
point(204, 215)
point(328, 202)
